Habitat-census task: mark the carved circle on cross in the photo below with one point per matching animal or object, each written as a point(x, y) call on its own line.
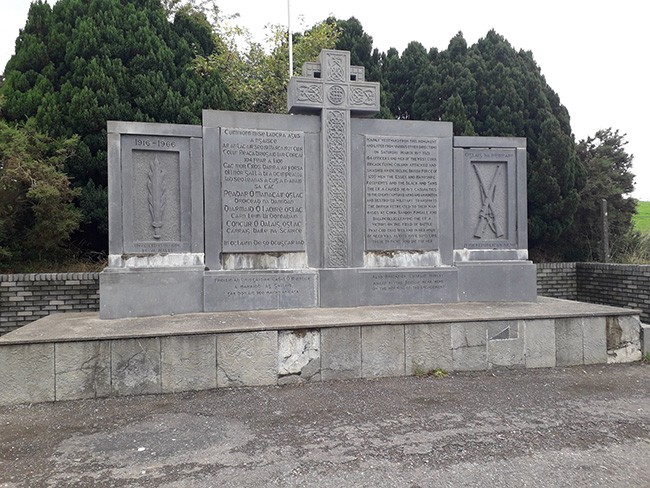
point(336, 95)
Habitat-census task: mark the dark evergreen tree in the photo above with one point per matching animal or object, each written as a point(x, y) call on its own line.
point(490, 89)
point(609, 168)
point(353, 38)
point(83, 62)
point(37, 215)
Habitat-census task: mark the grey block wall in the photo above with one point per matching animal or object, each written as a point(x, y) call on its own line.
point(557, 280)
point(620, 285)
point(25, 298)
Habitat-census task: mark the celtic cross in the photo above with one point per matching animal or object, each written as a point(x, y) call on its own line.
point(336, 90)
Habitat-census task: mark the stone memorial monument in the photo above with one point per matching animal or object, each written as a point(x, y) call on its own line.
point(324, 207)
point(292, 231)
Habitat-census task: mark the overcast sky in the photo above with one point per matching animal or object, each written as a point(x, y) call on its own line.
point(594, 54)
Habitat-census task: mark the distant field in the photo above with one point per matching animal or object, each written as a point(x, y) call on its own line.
point(642, 218)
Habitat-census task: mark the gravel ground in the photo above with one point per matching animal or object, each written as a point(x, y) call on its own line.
point(582, 426)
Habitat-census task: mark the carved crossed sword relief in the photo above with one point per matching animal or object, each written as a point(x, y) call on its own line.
point(487, 217)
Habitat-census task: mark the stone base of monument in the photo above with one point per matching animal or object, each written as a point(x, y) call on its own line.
point(135, 292)
point(78, 356)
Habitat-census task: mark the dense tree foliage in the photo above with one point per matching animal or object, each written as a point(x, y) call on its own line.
point(37, 215)
point(490, 89)
point(83, 62)
point(257, 74)
point(609, 168)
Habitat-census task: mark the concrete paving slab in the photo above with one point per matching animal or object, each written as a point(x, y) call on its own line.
point(88, 326)
point(541, 428)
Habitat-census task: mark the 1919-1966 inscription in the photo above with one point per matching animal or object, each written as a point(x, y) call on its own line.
point(263, 190)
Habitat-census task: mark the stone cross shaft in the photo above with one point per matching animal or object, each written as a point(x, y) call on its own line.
point(336, 90)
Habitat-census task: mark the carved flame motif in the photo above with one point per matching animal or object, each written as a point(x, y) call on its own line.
point(156, 188)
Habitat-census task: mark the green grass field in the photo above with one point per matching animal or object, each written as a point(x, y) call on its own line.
point(642, 218)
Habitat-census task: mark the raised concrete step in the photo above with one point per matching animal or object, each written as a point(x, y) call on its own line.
point(74, 356)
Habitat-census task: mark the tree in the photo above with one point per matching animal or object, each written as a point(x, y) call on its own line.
point(37, 214)
point(257, 74)
point(608, 167)
point(83, 62)
point(490, 89)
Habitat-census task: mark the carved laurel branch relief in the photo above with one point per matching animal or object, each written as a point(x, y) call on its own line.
point(156, 189)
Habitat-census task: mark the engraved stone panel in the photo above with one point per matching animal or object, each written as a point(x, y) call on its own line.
point(156, 188)
point(263, 190)
point(259, 290)
point(489, 203)
point(401, 193)
point(157, 195)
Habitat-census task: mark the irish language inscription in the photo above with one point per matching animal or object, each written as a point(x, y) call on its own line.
point(401, 193)
point(263, 190)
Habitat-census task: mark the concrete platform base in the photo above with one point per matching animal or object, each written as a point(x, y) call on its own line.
point(75, 356)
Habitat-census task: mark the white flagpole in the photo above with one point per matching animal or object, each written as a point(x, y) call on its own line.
point(290, 39)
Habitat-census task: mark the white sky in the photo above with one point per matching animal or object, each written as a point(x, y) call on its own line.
point(594, 54)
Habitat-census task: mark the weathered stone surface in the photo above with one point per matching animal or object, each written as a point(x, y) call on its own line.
point(480, 281)
point(340, 353)
point(135, 366)
point(623, 339)
point(540, 343)
point(468, 334)
point(645, 338)
point(568, 342)
point(594, 340)
point(382, 351)
point(27, 373)
point(428, 347)
point(505, 346)
point(83, 370)
point(472, 358)
point(469, 346)
point(247, 359)
point(188, 363)
point(156, 291)
point(297, 349)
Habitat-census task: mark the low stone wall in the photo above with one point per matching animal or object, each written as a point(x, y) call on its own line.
point(28, 297)
point(557, 280)
point(619, 285)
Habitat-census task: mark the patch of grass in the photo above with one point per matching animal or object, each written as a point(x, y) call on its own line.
point(646, 358)
point(642, 217)
point(420, 372)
